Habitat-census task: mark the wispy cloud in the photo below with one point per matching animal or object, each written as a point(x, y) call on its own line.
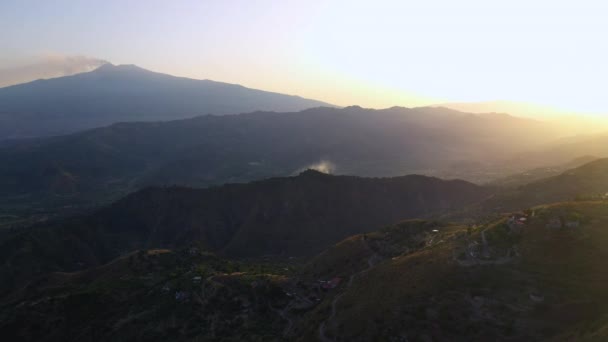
point(45, 66)
point(324, 166)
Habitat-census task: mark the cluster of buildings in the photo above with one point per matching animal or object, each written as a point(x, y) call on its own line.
point(558, 222)
point(517, 222)
point(330, 284)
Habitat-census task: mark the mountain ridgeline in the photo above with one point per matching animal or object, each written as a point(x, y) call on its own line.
point(210, 150)
point(291, 216)
point(121, 93)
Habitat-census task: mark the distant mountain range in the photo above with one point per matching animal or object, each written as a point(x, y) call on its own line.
point(511, 107)
point(570, 122)
point(122, 93)
point(210, 150)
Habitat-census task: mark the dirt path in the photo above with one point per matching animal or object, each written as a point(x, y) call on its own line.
point(485, 252)
point(283, 314)
point(371, 262)
point(485, 255)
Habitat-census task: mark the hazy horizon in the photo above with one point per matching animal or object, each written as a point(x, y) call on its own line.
point(374, 55)
point(54, 66)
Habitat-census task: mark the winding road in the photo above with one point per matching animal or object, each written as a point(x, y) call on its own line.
point(371, 262)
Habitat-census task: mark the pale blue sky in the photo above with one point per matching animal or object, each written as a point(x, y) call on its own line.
point(373, 53)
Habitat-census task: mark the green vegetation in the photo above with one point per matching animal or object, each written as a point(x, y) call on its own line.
point(554, 283)
point(418, 279)
point(185, 264)
point(152, 294)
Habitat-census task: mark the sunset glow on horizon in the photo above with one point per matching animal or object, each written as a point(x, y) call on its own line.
point(374, 54)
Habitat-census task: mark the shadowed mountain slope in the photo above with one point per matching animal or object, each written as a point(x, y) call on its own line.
point(281, 216)
point(421, 281)
point(416, 280)
point(584, 182)
point(125, 93)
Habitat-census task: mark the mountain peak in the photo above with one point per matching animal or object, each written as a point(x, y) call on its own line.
point(121, 93)
point(106, 66)
point(109, 67)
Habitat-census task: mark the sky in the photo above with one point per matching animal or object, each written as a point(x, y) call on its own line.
point(377, 53)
